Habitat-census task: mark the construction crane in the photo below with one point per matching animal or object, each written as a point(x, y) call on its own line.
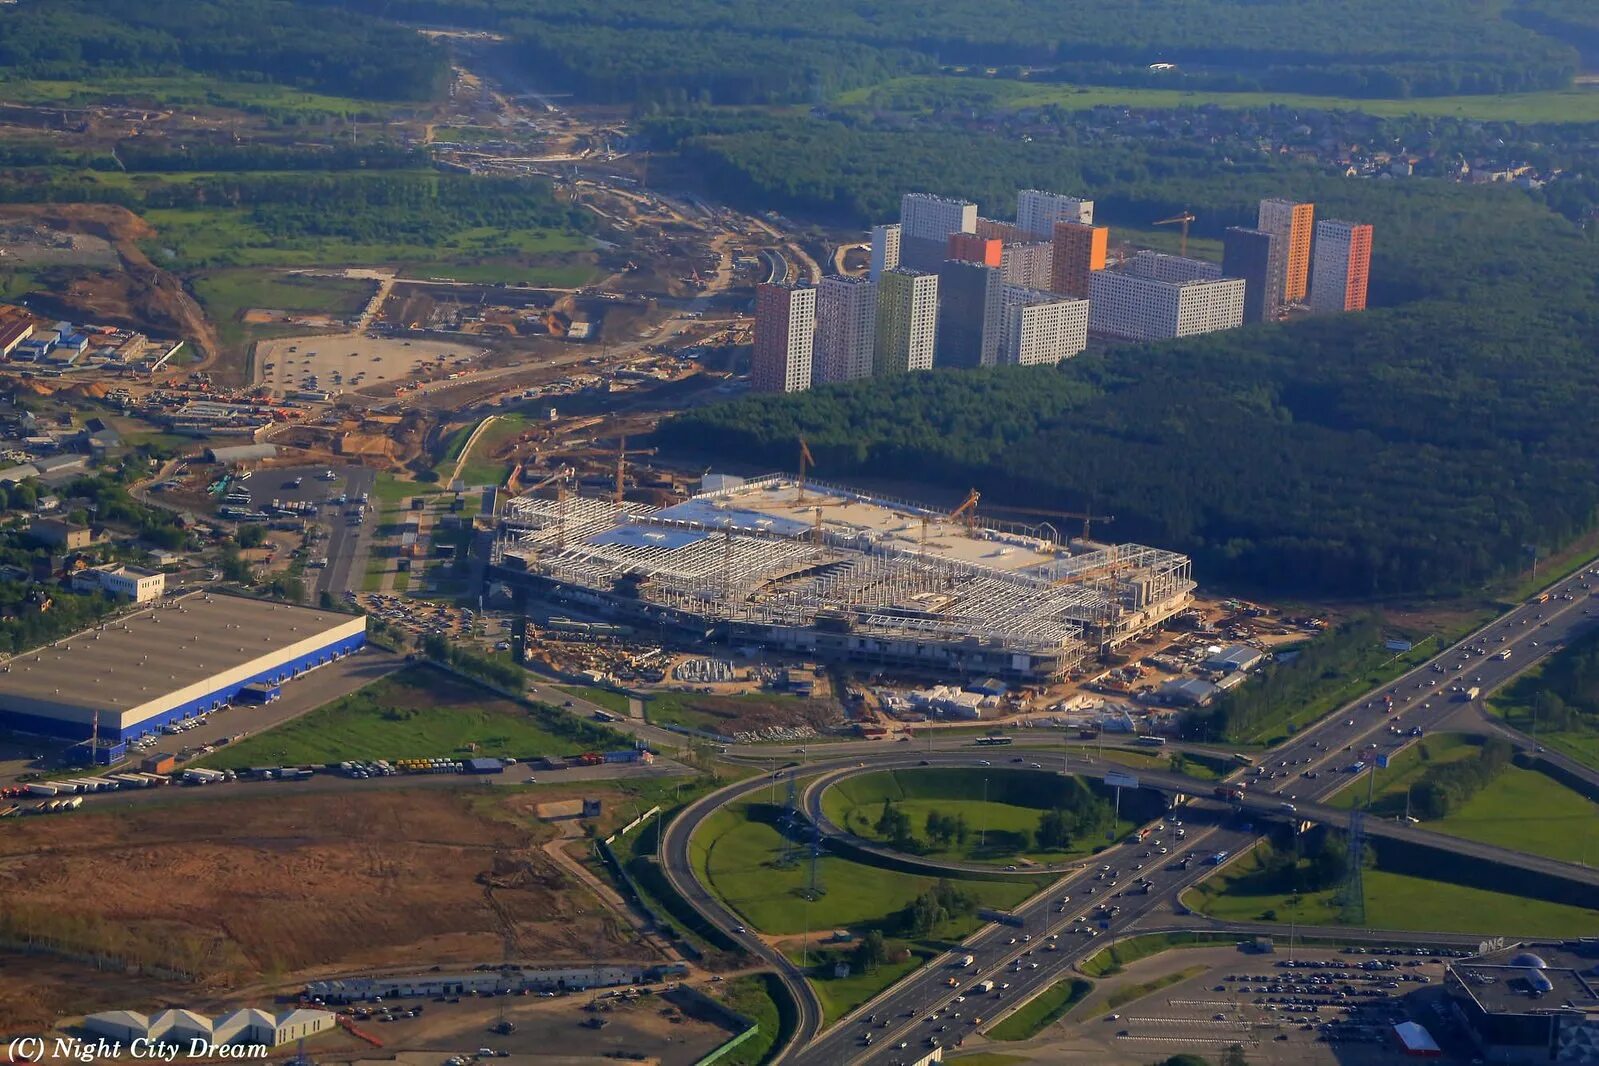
point(806, 461)
point(621, 464)
point(967, 509)
point(1084, 517)
point(559, 478)
point(1180, 220)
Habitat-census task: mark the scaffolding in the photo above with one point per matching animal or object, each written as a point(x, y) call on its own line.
point(739, 559)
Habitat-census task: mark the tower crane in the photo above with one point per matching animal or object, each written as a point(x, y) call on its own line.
point(806, 461)
point(967, 509)
point(1084, 517)
point(1180, 220)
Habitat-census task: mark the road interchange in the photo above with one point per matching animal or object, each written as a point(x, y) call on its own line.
point(1422, 701)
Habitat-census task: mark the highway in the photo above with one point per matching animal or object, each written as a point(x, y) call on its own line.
point(1311, 767)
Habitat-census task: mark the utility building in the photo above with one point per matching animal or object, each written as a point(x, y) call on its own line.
point(925, 225)
point(785, 331)
point(970, 296)
point(1259, 258)
point(1293, 223)
point(1342, 268)
point(1038, 211)
point(846, 329)
point(145, 670)
point(907, 322)
point(1079, 250)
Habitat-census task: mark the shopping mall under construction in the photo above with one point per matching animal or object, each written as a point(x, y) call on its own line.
point(828, 572)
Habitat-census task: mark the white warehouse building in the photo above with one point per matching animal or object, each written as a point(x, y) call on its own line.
point(249, 1026)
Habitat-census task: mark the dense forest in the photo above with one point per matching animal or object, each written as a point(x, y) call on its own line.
point(1420, 446)
point(703, 48)
point(241, 40)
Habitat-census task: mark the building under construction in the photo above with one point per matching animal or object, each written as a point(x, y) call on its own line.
point(828, 572)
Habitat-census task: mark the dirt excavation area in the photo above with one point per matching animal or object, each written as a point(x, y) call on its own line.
point(227, 894)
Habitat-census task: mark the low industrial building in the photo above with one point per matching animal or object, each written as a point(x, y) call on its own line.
point(1238, 658)
point(1530, 1002)
point(250, 1026)
point(133, 583)
point(142, 671)
point(357, 989)
point(1186, 692)
point(835, 575)
point(60, 533)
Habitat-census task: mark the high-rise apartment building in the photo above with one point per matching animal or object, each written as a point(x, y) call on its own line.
point(907, 321)
point(969, 296)
point(1078, 251)
point(1027, 263)
point(1134, 307)
point(999, 231)
point(1293, 223)
point(1040, 327)
point(1258, 257)
point(1343, 266)
point(885, 248)
point(970, 248)
point(785, 330)
point(1038, 211)
point(846, 329)
point(925, 223)
point(1176, 268)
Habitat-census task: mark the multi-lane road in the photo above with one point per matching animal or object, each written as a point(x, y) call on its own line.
point(1303, 771)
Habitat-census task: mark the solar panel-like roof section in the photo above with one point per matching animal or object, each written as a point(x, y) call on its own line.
point(648, 537)
point(138, 657)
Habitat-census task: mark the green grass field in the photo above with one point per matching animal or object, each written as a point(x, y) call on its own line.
point(1042, 1011)
point(713, 714)
point(921, 93)
point(736, 853)
point(189, 91)
point(1514, 704)
point(227, 294)
point(840, 995)
point(1521, 809)
point(481, 468)
point(611, 701)
point(1001, 827)
point(1396, 901)
point(417, 713)
point(1404, 770)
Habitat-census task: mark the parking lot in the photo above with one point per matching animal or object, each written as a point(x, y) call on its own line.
point(346, 527)
point(346, 363)
point(1320, 1006)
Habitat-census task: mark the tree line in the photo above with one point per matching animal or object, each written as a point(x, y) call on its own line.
point(713, 49)
point(1416, 447)
point(275, 41)
point(1445, 787)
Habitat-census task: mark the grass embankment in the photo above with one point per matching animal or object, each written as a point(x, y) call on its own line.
point(417, 713)
point(1393, 901)
point(921, 93)
point(840, 995)
point(480, 467)
point(1520, 809)
point(1111, 959)
point(755, 997)
point(604, 697)
point(1000, 827)
point(715, 714)
point(1042, 1011)
point(1514, 703)
point(1126, 995)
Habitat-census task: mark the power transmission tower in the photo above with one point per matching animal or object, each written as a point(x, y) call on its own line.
point(817, 888)
point(1352, 898)
point(789, 826)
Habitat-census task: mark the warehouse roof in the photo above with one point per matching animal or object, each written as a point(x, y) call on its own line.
point(139, 657)
point(240, 453)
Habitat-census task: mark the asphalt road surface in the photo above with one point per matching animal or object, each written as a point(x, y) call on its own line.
point(344, 541)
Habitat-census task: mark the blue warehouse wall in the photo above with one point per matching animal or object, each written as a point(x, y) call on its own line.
point(286, 671)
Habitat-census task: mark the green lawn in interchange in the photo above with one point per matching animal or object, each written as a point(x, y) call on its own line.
point(1579, 104)
point(1395, 901)
point(737, 855)
point(1000, 832)
point(1521, 809)
point(1513, 703)
point(1042, 1010)
point(417, 713)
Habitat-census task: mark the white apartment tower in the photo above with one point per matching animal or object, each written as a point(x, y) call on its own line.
point(885, 248)
point(846, 329)
point(785, 330)
point(925, 224)
point(1038, 211)
point(1175, 268)
point(1040, 327)
point(907, 322)
point(1132, 307)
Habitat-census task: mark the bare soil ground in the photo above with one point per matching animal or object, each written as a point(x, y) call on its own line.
point(137, 294)
point(269, 889)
